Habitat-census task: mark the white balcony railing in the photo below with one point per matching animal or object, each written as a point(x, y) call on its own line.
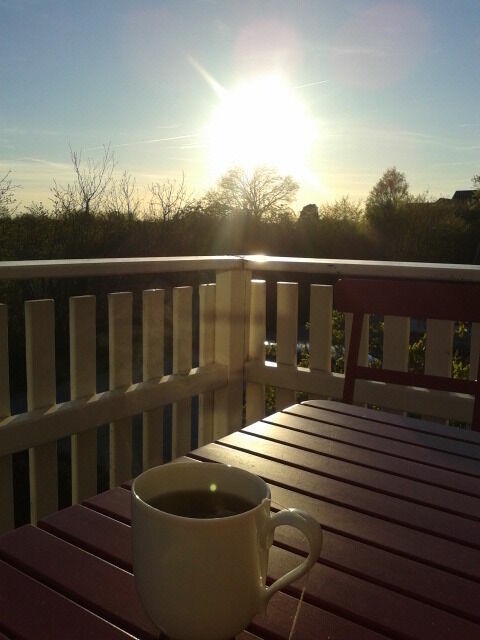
point(231, 372)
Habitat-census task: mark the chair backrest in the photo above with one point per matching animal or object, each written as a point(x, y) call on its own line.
point(411, 298)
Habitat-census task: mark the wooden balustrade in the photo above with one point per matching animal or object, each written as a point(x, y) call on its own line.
point(230, 380)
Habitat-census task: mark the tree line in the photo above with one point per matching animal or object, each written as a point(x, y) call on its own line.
point(99, 214)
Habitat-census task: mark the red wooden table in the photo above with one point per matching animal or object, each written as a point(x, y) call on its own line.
point(399, 501)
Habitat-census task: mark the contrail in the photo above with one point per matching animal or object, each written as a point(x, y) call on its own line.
point(310, 84)
point(210, 80)
point(151, 141)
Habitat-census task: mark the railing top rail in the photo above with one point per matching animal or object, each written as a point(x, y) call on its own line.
point(365, 268)
point(75, 268)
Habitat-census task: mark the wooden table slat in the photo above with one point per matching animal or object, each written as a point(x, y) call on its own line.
point(308, 622)
point(401, 539)
point(343, 431)
point(363, 598)
point(29, 609)
point(315, 436)
point(396, 510)
point(91, 582)
point(382, 481)
point(92, 531)
point(437, 448)
point(396, 419)
point(359, 600)
point(114, 506)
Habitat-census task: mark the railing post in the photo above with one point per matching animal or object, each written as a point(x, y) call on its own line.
point(6, 476)
point(255, 392)
point(231, 337)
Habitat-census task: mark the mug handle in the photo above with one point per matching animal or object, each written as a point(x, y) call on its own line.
point(312, 531)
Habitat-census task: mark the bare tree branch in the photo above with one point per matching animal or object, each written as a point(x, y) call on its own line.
point(168, 199)
point(91, 181)
point(123, 196)
point(8, 200)
point(264, 195)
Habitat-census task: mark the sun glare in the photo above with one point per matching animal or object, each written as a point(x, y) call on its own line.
point(261, 122)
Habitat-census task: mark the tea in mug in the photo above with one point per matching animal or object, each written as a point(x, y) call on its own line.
point(201, 504)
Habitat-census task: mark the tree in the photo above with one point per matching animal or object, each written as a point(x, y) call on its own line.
point(342, 210)
point(475, 202)
point(308, 214)
point(390, 191)
point(7, 195)
point(263, 195)
point(123, 197)
point(168, 199)
point(91, 182)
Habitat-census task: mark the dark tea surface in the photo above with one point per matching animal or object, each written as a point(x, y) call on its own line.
point(201, 504)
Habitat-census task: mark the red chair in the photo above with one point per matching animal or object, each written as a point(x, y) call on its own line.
point(410, 298)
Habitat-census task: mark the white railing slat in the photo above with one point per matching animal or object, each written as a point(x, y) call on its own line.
point(120, 375)
point(206, 355)
point(6, 475)
point(474, 353)
point(83, 383)
point(182, 363)
point(396, 339)
point(153, 320)
point(232, 304)
point(255, 393)
point(41, 393)
point(438, 351)
point(438, 348)
point(474, 350)
point(320, 332)
point(287, 336)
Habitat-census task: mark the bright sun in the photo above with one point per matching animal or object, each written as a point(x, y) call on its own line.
point(261, 122)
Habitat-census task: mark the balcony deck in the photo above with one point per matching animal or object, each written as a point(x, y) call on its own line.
point(390, 463)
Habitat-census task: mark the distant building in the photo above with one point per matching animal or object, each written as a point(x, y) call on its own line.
point(463, 195)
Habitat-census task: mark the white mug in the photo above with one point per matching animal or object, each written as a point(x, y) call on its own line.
point(205, 578)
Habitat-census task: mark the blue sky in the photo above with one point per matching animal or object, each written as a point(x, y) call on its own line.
point(381, 83)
